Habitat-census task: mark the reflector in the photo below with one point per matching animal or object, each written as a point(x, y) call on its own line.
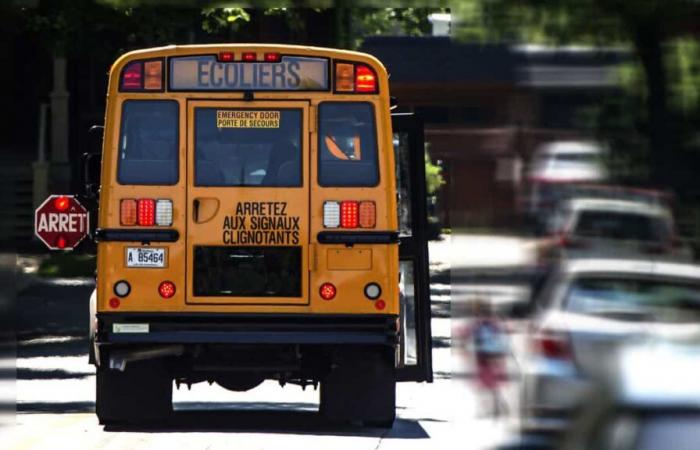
point(327, 291)
point(166, 289)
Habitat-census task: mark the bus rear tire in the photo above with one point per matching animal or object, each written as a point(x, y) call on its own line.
point(361, 387)
point(141, 393)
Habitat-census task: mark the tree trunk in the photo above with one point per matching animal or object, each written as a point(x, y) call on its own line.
point(648, 39)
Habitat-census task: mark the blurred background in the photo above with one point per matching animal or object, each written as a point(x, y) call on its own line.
point(563, 153)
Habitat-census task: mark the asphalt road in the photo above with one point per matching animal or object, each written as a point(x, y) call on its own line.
point(55, 394)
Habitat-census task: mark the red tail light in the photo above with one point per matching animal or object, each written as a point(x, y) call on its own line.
point(146, 212)
point(348, 214)
point(553, 345)
point(132, 77)
point(166, 289)
point(365, 79)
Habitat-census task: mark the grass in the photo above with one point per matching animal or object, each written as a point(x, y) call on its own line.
point(66, 265)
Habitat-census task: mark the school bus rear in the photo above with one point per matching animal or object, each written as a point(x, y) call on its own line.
point(247, 228)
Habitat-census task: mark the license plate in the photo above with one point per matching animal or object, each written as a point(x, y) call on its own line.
point(145, 257)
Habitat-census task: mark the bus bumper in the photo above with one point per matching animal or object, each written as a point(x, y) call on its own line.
point(145, 328)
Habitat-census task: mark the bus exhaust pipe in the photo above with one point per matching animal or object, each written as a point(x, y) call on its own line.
point(119, 359)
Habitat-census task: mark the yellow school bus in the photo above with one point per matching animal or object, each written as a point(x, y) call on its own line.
point(260, 218)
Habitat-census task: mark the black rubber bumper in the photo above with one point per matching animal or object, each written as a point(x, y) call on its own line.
point(248, 329)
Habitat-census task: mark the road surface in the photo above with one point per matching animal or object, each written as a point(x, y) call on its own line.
point(55, 393)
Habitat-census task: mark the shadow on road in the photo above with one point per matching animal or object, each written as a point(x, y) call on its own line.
point(258, 417)
point(240, 417)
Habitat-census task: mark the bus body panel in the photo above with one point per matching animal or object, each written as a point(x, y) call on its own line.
point(349, 268)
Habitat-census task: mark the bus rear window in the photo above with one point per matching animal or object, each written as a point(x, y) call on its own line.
point(148, 143)
point(347, 145)
point(248, 147)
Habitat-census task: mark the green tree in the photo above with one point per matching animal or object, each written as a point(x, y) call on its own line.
point(646, 26)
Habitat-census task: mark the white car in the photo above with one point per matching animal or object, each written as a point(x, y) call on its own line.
point(568, 161)
point(586, 313)
point(557, 166)
point(599, 227)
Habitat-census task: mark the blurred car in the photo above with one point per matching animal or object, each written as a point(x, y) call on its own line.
point(652, 402)
point(587, 311)
point(605, 227)
point(556, 167)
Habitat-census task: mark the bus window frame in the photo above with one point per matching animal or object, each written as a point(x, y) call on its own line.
point(329, 76)
point(142, 89)
point(319, 144)
point(260, 186)
point(177, 141)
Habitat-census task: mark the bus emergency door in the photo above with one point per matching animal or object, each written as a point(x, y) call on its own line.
point(415, 352)
point(247, 203)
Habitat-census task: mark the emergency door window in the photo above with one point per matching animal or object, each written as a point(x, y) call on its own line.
point(347, 145)
point(148, 143)
point(248, 147)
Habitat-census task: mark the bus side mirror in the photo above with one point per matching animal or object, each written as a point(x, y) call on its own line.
point(92, 162)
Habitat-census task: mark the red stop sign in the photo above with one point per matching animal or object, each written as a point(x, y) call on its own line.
point(61, 222)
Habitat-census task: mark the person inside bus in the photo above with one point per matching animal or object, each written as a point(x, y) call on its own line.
point(283, 167)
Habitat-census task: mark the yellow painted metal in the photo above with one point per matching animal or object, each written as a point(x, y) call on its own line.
point(307, 202)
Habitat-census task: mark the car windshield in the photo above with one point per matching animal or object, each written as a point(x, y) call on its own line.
point(624, 297)
point(621, 226)
point(576, 158)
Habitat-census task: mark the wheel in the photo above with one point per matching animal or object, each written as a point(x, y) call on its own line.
point(361, 387)
point(142, 392)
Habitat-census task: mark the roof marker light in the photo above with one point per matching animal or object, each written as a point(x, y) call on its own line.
point(272, 57)
point(249, 56)
point(225, 56)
